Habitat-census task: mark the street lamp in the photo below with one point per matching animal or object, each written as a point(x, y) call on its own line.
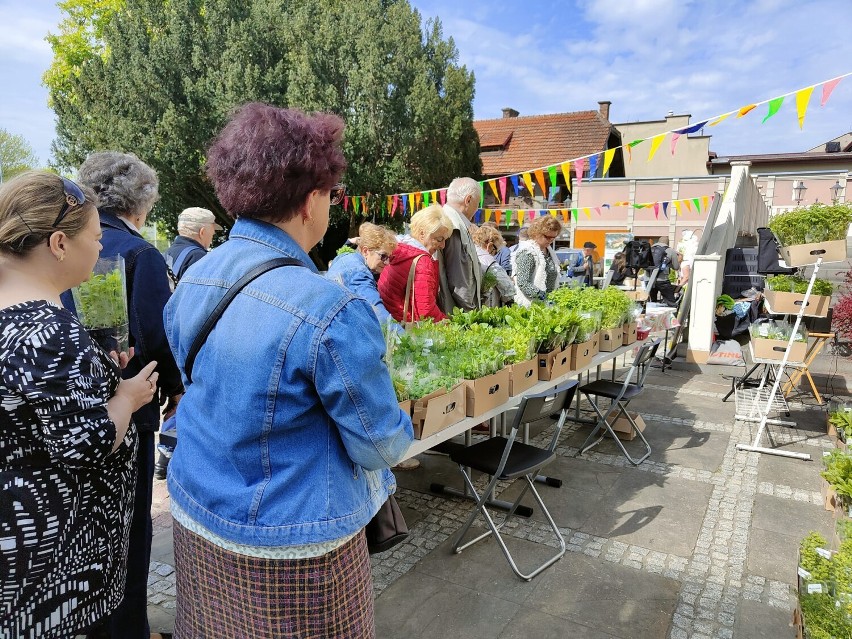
point(799, 192)
point(835, 191)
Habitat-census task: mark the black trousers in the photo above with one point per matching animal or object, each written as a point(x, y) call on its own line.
point(665, 289)
point(130, 619)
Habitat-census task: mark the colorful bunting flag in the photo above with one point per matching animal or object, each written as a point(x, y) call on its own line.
point(566, 171)
point(720, 119)
point(497, 217)
point(593, 167)
point(774, 105)
point(677, 208)
point(706, 201)
point(418, 197)
point(554, 180)
point(488, 213)
point(745, 110)
point(481, 194)
point(695, 128)
point(656, 141)
point(609, 154)
point(509, 218)
point(564, 213)
point(657, 210)
point(515, 185)
point(539, 178)
point(443, 194)
point(355, 205)
point(426, 198)
point(827, 88)
point(688, 205)
point(803, 97)
point(493, 185)
point(528, 182)
point(346, 203)
point(395, 204)
point(579, 167)
point(405, 204)
point(666, 209)
point(520, 217)
point(675, 138)
point(598, 210)
point(575, 215)
point(697, 204)
point(502, 182)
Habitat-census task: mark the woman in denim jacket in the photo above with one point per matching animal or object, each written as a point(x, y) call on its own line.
point(290, 423)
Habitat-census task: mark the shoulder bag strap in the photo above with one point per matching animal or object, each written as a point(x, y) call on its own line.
point(181, 258)
point(231, 293)
point(408, 291)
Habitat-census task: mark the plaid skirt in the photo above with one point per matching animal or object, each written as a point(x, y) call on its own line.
point(225, 595)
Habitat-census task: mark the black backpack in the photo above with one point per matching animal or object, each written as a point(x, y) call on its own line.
point(658, 254)
point(637, 254)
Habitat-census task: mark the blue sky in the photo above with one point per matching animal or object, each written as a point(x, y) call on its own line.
point(646, 56)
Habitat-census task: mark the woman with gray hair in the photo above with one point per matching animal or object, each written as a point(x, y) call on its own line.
point(126, 190)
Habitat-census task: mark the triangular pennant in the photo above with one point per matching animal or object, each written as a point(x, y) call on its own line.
point(426, 197)
point(677, 207)
point(639, 206)
point(385, 202)
point(606, 206)
point(405, 204)
point(395, 205)
point(657, 210)
point(355, 204)
point(575, 215)
point(598, 210)
point(497, 217)
point(593, 166)
point(564, 213)
point(609, 154)
point(502, 182)
point(695, 128)
point(508, 218)
point(688, 205)
point(539, 178)
point(675, 138)
point(720, 119)
point(827, 88)
point(706, 201)
point(346, 203)
point(365, 201)
point(515, 185)
point(774, 105)
point(418, 197)
point(566, 172)
point(488, 213)
point(746, 109)
point(629, 153)
point(656, 141)
point(443, 195)
point(528, 182)
point(531, 216)
point(635, 143)
point(666, 209)
point(552, 212)
point(697, 203)
point(554, 179)
point(477, 217)
point(391, 208)
point(579, 167)
point(493, 185)
point(520, 218)
point(481, 194)
point(803, 97)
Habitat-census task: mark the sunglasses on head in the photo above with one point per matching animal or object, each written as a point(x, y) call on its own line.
point(338, 191)
point(73, 197)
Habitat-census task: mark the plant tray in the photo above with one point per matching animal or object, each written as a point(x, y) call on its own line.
point(523, 376)
point(779, 302)
point(804, 254)
point(774, 349)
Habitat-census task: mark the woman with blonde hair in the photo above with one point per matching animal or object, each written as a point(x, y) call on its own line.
point(67, 441)
point(535, 266)
point(413, 262)
point(488, 243)
point(357, 271)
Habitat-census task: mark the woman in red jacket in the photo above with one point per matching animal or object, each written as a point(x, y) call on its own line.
point(430, 228)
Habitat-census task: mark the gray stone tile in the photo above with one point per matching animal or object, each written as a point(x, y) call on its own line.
point(419, 605)
point(760, 621)
point(530, 623)
point(779, 470)
point(161, 547)
point(773, 555)
point(790, 517)
point(608, 597)
point(160, 619)
point(648, 510)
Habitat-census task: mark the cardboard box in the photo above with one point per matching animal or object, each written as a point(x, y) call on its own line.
point(804, 254)
point(624, 430)
point(438, 410)
point(611, 339)
point(830, 501)
point(774, 349)
point(406, 407)
point(487, 392)
point(581, 355)
point(790, 303)
point(638, 295)
point(523, 376)
point(596, 343)
point(629, 334)
point(554, 364)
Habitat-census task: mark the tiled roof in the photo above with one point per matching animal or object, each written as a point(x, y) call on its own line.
point(540, 140)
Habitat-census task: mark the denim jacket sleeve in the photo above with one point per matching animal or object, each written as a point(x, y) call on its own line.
point(363, 284)
point(355, 388)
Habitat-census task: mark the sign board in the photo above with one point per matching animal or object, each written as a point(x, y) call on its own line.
point(614, 243)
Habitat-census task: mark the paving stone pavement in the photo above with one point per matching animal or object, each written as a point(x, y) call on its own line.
point(717, 595)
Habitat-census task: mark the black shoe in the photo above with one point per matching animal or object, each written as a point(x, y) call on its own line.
point(161, 466)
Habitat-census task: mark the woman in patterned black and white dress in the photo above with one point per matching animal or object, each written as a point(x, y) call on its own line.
point(66, 439)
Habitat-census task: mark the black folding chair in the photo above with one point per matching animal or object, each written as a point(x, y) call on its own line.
point(504, 459)
point(620, 394)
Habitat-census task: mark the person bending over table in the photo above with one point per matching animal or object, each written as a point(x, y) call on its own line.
point(535, 264)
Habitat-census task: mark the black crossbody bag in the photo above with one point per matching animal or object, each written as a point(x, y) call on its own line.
point(387, 528)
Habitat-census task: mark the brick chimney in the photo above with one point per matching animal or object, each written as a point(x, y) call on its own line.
point(509, 112)
point(604, 105)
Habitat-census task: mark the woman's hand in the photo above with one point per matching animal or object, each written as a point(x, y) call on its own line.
point(139, 390)
point(121, 359)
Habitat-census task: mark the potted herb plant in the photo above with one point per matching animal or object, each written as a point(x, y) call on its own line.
point(101, 304)
point(786, 294)
point(809, 233)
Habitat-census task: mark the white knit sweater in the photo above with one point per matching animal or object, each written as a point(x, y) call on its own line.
point(531, 247)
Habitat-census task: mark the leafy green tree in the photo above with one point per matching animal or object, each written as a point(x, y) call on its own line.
point(160, 79)
point(16, 155)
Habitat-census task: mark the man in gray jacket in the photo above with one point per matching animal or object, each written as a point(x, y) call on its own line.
point(461, 277)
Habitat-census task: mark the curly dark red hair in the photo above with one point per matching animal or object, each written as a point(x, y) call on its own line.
point(266, 160)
